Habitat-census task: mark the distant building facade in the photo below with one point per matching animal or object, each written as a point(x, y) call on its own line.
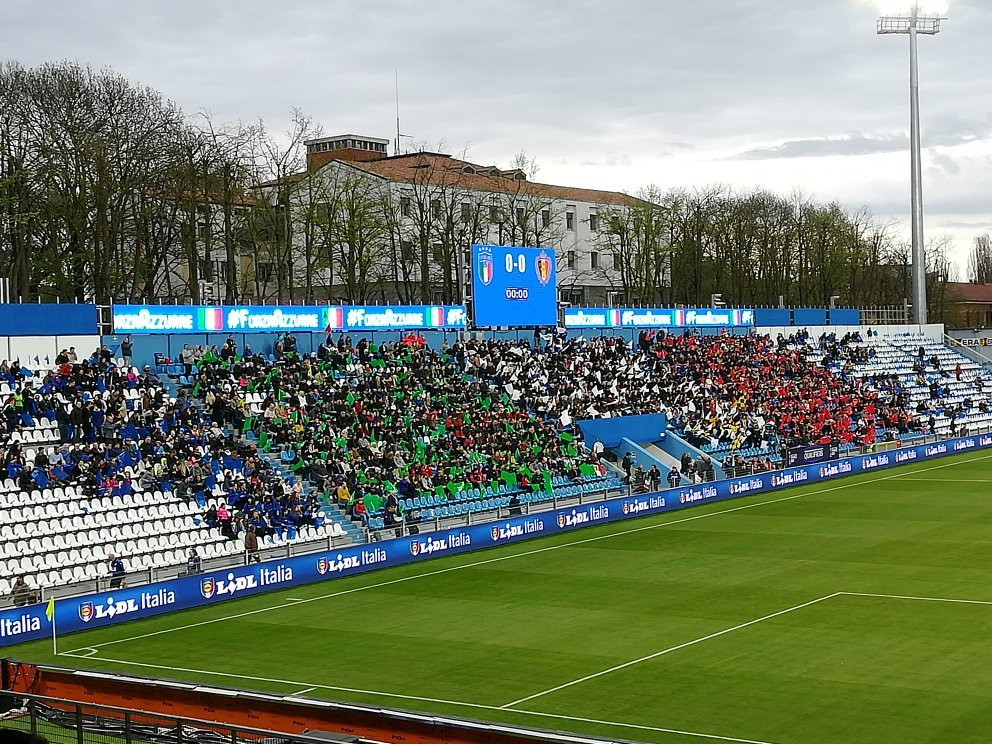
point(369, 227)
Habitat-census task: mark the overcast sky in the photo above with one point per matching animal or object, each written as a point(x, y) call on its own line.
point(615, 94)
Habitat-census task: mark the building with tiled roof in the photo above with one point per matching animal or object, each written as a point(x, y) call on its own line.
point(971, 304)
point(399, 228)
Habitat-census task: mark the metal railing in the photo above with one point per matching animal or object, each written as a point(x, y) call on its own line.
point(68, 722)
point(967, 351)
point(427, 526)
point(164, 573)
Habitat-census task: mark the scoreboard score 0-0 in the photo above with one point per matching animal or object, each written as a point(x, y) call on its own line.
point(514, 286)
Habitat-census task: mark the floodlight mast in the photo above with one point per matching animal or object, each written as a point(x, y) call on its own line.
point(912, 25)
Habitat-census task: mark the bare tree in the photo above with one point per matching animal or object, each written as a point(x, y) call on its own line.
point(980, 260)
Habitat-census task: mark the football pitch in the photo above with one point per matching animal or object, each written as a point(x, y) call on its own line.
point(857, 610)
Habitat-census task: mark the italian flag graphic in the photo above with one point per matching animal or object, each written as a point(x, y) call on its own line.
point(614, 318)
point(333, 319)
point(435, 317)
point(211, 318)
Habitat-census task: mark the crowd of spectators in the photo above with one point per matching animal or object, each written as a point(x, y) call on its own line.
point(121, 432)
point(745, 392)
point(374, 424)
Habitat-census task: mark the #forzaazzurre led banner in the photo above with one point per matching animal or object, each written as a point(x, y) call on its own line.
point(622, 317)
point(514, 286)
point(141, 319)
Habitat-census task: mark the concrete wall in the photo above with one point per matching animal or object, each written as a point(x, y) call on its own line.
point(26, 348)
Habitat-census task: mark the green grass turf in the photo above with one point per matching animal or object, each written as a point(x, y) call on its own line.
point(496, 626)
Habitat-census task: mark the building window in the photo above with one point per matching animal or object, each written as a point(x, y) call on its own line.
point(201, 230)
point(493, 213)
point(545, 217)
point(594, 260)
point(466, 212)
point(264, 272)
point(594, 222)
point(573, 296)
point(206, 269)
point(520, 215)
point(437, 209)
point(572, 260)
point(406, 251)
point(569, 220)
point(405, 206)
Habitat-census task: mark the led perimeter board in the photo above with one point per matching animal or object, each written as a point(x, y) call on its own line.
point(514, 286)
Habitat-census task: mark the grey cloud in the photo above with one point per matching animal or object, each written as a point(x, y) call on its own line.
point(944, 163)
point(946, 131)
point(851, 144)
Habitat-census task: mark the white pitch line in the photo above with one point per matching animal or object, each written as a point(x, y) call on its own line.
point(951, 480)
point(536, 551)
point(669, 650)
point(917, 599)
point(617, 724)
point(295, 599)
point(78, 652)
point(739, 627)
point(304, 691)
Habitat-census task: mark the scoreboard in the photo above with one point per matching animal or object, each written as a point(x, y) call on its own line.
point(514, 286)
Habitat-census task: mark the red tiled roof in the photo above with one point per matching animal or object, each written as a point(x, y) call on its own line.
point(969, 292)
point(408, 169)
point(448, 171)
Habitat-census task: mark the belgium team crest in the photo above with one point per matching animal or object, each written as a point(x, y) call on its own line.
point(485, 265)
point(543, 265)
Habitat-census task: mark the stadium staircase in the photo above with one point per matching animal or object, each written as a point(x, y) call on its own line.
point(663, 457)
point(339, 527)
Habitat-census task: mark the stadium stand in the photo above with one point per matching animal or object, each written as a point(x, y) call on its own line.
point(743, 399)
point(937, 390)
point(100, 460)
point(394, 432)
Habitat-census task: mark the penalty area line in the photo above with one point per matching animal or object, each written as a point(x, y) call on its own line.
point(948, 600)
point(669, 650)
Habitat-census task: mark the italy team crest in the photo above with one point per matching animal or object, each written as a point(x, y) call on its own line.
point(322, 566)
point(207, 588)
point(85, 611)
point(484, 265)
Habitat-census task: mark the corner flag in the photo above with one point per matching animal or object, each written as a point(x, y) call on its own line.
point(50, 614)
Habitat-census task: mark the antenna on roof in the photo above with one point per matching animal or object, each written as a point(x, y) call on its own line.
point(396, 76)
point(399, 136)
